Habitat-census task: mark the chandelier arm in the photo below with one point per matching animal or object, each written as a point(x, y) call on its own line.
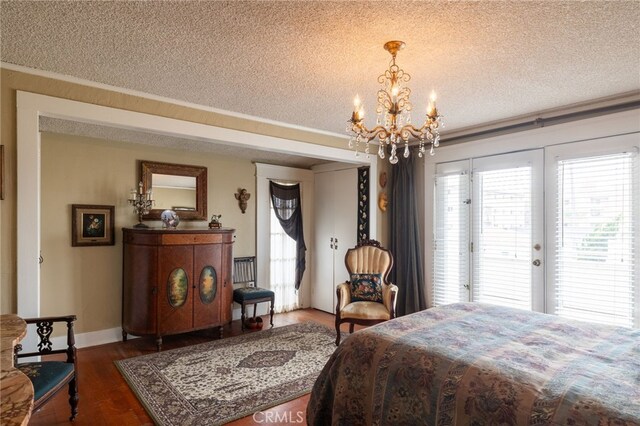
point(368, 134)
point(415, 132)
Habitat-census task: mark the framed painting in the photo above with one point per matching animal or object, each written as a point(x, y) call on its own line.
point(92, 225)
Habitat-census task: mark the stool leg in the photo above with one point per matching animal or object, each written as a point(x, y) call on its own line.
point(255, 307)
point(272, 303)
point(242, 315)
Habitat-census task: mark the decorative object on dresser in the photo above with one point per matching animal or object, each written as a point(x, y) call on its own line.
point(175, 185)
point(170, 219)
point(244, 272)
point(216, 382)
point(242, 196)
point(92, 225)
point(176, 281)
point(215, 221)
point(142, 201)
point(48, 377)
point(368, 265)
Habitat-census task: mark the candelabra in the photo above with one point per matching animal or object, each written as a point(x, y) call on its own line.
point(141, 202)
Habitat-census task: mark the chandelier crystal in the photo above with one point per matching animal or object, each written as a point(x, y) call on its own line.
point(393, 123)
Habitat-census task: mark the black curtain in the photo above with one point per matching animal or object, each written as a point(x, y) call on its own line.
point(288, 209)
point(404, 240)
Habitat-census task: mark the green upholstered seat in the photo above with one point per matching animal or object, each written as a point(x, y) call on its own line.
point(251, 293)
point(46, 376)
point(51, 374)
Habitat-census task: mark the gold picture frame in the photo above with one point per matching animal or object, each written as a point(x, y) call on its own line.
point(92, 225)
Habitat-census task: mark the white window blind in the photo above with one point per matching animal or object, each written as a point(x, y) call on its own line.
point(503, 237)
point(596, 234)
point(451, 233)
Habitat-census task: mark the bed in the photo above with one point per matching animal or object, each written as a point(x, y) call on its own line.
point(476, 364)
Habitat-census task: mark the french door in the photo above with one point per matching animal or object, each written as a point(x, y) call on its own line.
point(507, 231)
point(489, 231)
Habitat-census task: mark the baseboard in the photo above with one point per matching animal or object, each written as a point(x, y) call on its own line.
point(92, 338)
point(110, 335)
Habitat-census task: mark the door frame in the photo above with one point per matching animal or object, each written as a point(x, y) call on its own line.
point(31, 106)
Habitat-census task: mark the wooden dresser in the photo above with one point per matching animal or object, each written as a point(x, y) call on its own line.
point(174, 281)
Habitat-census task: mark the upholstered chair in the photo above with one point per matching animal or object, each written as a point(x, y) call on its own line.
point(368, 297)
point(50, 376)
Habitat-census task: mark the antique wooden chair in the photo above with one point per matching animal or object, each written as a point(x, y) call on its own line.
point(48, 377)
point(244, 272)
point(368, 297)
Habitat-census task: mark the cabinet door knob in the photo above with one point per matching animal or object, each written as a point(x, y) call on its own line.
point(154, 291)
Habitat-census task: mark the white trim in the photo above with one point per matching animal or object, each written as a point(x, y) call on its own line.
point(31, 106)
point(137, 93)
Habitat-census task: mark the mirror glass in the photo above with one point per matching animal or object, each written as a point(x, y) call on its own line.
point(174, 192)
point(177, 187)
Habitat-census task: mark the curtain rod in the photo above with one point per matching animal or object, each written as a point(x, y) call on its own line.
point(542, 122)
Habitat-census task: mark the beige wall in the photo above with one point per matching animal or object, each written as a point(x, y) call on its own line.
point(87, 281)
point(11, 81)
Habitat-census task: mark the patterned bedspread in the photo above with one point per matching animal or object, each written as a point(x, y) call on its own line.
point(475, 364)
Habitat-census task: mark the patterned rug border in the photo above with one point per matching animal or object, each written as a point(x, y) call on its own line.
point(229, 341)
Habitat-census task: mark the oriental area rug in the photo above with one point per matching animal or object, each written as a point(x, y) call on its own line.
point(224, 380)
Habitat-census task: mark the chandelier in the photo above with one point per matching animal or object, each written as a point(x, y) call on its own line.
point(393, 124)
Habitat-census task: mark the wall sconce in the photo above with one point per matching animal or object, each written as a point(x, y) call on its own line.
point(242, 196)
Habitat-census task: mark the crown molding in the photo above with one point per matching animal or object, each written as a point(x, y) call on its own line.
point(139, 94)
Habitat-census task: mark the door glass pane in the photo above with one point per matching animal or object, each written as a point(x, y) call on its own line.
point(503, 237)
point(451, 233)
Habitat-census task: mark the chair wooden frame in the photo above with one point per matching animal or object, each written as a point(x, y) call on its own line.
point(250, 272)
point(44, 329)
point(385, 275)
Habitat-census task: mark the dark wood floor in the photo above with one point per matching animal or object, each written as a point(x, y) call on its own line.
point(106, 399)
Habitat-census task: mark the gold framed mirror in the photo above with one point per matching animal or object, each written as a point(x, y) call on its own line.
point(177, 187)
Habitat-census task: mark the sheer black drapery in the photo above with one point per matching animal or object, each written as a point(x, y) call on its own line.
point(404, 238)
point(288, 210)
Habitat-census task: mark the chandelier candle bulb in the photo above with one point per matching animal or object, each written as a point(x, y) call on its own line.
point(394, 109)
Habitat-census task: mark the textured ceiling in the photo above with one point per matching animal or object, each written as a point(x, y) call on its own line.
point(301, 62)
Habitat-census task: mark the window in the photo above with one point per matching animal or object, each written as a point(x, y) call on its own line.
point(282, 267)
point(596, 226)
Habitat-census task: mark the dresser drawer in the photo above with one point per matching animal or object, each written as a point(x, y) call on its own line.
point(180, 239)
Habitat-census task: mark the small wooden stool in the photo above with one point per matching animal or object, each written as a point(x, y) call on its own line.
point(252, 296)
